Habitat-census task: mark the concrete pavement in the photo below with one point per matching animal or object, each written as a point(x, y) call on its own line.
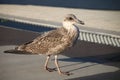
point(104, 64)
point(30, 67)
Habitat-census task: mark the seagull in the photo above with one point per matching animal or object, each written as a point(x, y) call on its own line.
point(54, 42)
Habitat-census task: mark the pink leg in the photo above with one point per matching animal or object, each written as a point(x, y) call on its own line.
point(58, 68)
point(46, 64)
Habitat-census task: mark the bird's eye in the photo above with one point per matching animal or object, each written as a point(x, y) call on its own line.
point(70, 18)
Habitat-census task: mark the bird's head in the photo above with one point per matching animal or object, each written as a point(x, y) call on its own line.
point(72, 19)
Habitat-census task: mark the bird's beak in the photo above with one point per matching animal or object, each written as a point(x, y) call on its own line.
point(79, 21)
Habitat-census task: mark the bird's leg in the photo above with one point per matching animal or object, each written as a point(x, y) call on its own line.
point(58, 68)
point(46, 64)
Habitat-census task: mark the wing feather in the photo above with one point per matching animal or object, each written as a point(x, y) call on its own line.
point(48, 42)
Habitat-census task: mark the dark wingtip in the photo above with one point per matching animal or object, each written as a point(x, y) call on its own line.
point(10, 51)
point(13, 51)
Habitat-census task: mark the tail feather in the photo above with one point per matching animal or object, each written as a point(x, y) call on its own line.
point(20, 49)
point(14, 51)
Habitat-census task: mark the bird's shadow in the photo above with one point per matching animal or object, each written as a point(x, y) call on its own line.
point(80, 61)
point(90, 61)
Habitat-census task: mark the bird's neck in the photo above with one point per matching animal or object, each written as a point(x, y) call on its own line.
point(71, 28)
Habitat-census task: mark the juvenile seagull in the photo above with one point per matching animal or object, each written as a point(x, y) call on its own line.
point(54, 42)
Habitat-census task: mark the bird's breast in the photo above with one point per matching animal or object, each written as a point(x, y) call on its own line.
point(73, 34)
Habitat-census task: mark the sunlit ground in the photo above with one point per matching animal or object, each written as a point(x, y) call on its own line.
point(101, 19)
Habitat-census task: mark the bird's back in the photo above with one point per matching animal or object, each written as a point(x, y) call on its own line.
point(52, 42)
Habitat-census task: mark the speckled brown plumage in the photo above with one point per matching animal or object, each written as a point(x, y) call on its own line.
point(54, 42)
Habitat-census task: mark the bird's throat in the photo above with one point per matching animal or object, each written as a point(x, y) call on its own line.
point(72, 30)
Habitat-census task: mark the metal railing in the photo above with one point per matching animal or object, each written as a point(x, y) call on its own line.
point(100, 38)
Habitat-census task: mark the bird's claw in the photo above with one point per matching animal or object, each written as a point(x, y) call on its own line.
point(66, 73)
point(50, 69)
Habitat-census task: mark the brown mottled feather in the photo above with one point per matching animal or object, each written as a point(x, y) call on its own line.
point(52, 42)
